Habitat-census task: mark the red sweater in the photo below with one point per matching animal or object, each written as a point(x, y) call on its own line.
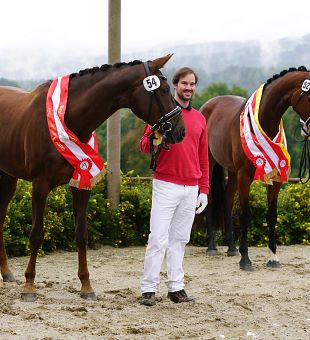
point(187, 162)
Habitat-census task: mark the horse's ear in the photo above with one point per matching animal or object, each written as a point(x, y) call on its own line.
point(158, 63)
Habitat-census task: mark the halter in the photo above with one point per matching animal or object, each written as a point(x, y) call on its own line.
point(304, 125)
point(305, 88)
point(164, 122)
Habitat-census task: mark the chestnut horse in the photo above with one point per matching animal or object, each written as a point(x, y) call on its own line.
point(27, 151)
point(225, 152)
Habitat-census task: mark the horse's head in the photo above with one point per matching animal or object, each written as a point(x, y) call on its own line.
point(300, 102)
point(153, 102)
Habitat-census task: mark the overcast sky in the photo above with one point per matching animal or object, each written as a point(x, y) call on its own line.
point(81, 26)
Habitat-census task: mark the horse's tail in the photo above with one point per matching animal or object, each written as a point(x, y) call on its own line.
point(218, 185)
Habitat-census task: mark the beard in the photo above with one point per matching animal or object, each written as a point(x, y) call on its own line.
point(185, 95)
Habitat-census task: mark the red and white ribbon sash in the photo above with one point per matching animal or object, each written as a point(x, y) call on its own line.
point(84, 158)
point(270, 157)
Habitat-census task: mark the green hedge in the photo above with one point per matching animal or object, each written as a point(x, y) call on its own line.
point(293, 222)
point(129, 223)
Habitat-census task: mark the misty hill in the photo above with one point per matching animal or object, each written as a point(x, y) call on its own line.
point(246, 64)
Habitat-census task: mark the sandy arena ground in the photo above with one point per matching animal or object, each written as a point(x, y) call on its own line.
point(230, 304)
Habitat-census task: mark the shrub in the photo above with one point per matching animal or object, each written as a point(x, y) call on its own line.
point(124, 226)
point(129, 223)
point(293, 225)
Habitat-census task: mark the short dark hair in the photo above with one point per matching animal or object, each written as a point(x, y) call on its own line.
point(182, 72)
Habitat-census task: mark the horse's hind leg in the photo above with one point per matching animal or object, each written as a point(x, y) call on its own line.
point(40, 190)
point(272, 197)
point(7, 189)
point(80, 200)
point(230, 192)
point(210, 210)
point(211, 250)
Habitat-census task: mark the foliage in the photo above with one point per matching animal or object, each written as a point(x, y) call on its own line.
point(217, 89)
point(294, 139)
point(293, 225)
point(18, 221)
point(58, 224)
point(293, 215)
point(129, 223)
point(131, 132)
point(124, 226)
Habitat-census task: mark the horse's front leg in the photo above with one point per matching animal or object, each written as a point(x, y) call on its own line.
point(40, 190)
point(272, 197)
point(80, 201)
point(230, 192)
point(7, 189)
point(244, 183)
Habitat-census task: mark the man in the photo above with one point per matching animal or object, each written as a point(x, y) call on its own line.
point(180, 185)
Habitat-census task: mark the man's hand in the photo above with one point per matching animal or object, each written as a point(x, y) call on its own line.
point(202, 202)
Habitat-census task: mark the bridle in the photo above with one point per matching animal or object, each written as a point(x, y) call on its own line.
point(164, 123)
point(304, 125)
point(305, 89)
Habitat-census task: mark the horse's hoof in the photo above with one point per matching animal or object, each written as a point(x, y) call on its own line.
point(232, 252)
point(212, 252)
point(29, 297)
point(89, 296)
point(273, 264)
point(9, 277)
point(246, 267)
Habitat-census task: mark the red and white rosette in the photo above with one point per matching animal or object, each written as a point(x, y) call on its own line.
point(260, 163)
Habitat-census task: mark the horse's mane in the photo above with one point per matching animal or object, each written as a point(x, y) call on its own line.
point(282, 73)
point(103, 68)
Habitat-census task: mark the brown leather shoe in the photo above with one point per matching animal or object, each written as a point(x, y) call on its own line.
point(179, 296)
point(148, 299)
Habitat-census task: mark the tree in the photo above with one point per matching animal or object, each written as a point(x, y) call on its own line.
point(217, 89)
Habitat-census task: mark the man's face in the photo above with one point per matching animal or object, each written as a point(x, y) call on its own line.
point(186, 87)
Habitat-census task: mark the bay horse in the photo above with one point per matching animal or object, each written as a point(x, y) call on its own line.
point(27, 151)
point(226, 152)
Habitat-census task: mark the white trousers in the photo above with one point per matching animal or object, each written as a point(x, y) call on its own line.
point(172, 216)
